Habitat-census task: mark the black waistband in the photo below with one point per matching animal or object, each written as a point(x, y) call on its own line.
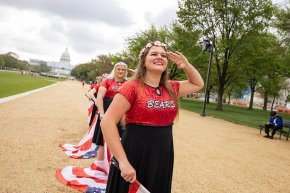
point(144, 134)
point(129, 125)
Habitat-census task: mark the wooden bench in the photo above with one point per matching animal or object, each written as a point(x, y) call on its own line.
point(285, 131)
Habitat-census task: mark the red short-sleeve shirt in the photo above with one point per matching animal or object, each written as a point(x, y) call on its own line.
point(147, 107)
point(95, 86)
point(112, 86)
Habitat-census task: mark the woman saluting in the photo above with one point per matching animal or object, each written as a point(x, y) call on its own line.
point(149, 102)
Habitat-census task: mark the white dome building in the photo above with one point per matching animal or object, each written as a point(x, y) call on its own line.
point(63, 66)
point(65, 57)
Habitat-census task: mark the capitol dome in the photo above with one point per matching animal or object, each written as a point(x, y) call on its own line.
point(65, 57)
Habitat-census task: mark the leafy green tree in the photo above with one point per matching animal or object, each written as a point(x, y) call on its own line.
point(273, 77)
point(286, 62)
point(9, 62)
point(230, 21)
point(253, 57)
point(187, 42)
point(40, 68)
point(140, 39)
point(2, 63)
point(124, 56)
point(282, 23)
point(235, 89)
point(104, 64)
point(89, 71)
point(270, 87)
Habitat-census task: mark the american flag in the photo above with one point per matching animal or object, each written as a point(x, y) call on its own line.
point(89, 180)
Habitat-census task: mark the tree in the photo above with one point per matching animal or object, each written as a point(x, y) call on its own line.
point(140, 39)
point(253, 56)
point(230, 21)
point(235, 89)
point(2, 63)
point(273, 79)
point(187, 42)
point(282, 23)
point(124, 56)
point(104, 64)
point(40, 68)
point(97, 67)
point(9, 62)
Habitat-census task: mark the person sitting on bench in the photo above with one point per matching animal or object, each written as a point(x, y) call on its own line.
point(275, 122)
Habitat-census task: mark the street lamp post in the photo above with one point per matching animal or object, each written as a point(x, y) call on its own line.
point(207, 46)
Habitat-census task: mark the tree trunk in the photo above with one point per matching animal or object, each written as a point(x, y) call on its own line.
point(220, 98)
point(273, 103)
point(229, 101)
point(252, 98)
point(265, 101)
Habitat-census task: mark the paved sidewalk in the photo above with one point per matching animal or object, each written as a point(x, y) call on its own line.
point(13, 97)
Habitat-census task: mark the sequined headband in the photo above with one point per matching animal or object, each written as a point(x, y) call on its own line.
point(120, 64)
point(149, 45)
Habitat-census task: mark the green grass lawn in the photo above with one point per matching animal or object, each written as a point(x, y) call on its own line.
point(235, 114)
point(12, 83)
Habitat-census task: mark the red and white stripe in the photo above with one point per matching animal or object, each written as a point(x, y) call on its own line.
point(90, 110)
point(136, 187)
point(85, 179)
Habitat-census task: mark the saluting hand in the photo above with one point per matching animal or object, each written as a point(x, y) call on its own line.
point(131, 71)
point(178, 58)
point(127, 171)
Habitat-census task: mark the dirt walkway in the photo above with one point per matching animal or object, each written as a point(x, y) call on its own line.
point(211, 155)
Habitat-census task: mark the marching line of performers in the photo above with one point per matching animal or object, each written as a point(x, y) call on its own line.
point(139, 111)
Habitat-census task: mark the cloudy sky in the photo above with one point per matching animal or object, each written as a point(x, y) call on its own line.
point(42, 29)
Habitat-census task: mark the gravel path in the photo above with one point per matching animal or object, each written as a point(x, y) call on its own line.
point(211, 155)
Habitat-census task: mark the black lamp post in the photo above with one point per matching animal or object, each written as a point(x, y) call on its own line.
point(207, 46)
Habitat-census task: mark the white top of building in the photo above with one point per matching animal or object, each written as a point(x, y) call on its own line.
point(65, 57)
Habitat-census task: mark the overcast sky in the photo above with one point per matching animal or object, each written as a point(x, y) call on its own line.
point(42, 29)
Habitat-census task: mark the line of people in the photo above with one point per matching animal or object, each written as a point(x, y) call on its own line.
point(86, 149)
point(140, 112)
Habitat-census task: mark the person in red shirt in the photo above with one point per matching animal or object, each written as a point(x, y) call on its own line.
point(95, 87)
point(105, 96)
point(92, 95)
point(149, 102)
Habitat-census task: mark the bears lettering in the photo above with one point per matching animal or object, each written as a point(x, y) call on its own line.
point(160, 104)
